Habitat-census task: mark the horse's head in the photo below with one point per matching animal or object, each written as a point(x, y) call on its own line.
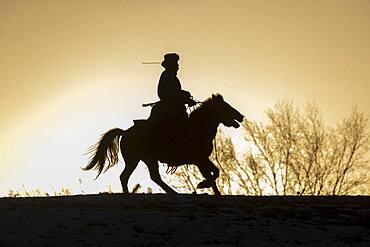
point(229, 116)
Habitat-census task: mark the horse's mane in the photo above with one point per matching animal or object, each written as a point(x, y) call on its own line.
point(205, 106)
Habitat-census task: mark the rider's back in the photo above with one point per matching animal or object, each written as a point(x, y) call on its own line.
point(169, 88)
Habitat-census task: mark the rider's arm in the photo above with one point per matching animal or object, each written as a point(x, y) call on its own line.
point(187, 98)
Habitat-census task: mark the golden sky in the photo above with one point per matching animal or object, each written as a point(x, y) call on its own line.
point(70, 70)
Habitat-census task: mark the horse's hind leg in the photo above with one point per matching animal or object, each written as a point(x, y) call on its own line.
point(156, 177)
point(130, 166)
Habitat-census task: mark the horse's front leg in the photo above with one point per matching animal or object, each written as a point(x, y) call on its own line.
point(156, 177)
point(210, 172)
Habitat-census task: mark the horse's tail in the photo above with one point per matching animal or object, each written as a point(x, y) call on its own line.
point(107, 148)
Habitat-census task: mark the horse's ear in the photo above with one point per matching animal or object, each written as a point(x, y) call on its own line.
point(217, 97)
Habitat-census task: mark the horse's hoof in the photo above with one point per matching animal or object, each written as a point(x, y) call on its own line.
point(217, 193)
point(204, 184)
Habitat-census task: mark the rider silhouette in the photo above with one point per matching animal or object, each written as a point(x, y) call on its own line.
point(170, 111)
point(172, 97)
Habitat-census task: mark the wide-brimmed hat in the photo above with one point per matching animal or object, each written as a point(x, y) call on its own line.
point(170, 59)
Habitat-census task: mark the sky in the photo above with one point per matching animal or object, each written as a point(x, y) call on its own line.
point(71, 70)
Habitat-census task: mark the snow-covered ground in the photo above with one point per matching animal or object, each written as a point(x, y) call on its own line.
point(184, 220)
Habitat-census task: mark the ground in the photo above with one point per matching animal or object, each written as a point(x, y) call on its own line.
point(184, 220)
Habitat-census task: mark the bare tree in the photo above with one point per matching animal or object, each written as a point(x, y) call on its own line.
point(275, 144)
point(298, 154)
point(350, 148)
point(187, 177)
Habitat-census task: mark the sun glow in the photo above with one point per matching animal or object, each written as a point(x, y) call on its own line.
point(50, 150)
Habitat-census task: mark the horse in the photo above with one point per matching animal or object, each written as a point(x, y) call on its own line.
point(153, 143)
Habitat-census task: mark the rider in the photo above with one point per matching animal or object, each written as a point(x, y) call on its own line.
point(172, 97)
point(171, 110)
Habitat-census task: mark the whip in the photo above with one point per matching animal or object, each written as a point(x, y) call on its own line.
point(151, 63)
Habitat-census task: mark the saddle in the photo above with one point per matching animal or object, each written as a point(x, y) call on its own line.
point(173, 130)
point(169, 131)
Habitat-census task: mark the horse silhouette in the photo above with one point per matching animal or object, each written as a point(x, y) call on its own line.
point(153, 142)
